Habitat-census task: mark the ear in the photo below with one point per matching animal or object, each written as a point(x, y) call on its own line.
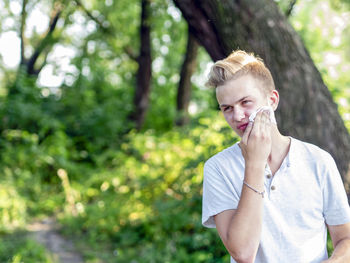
point(274, 99)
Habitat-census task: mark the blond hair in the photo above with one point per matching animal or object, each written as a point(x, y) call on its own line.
point(237, 64)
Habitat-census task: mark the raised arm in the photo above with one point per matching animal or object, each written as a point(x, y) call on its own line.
point(240, 229)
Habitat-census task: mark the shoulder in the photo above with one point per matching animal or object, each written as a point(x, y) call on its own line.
point(310, 152)
point(223, 158)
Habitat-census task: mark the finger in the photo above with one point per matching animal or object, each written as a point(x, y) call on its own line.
point(262, 122)
point(257, 123)
point(247, 132)
point(266, 117)
point(266, 123)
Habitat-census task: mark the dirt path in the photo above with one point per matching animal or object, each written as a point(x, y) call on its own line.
point(46, 233)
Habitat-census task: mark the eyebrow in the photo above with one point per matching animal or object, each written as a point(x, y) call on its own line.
point(225, 105)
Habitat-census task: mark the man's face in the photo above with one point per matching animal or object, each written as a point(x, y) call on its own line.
point(238, 99)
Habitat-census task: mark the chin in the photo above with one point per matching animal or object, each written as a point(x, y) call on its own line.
point(238, 132)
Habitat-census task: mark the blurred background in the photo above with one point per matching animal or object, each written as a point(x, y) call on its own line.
point(105, 124)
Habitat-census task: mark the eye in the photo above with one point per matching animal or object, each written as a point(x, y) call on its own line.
point(246, 102)
point(227, 108)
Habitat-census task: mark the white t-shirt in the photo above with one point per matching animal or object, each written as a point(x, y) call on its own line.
point(304, 194)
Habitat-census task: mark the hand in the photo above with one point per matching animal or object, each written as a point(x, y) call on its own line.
point(256, 140)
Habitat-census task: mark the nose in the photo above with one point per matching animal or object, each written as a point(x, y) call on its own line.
point(238, 114)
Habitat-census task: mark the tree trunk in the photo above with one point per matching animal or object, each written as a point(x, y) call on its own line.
point(141, 98)
point(306, 109)
point(184, 89)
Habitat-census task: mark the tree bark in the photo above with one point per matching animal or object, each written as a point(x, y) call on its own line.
point(141, 97)
point(184, 88)
point(307, 110)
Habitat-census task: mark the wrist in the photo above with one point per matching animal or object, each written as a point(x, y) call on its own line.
point(255, 165)
point(254, 169)
point(254, 175)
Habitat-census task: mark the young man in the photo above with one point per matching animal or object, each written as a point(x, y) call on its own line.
point(271, 197)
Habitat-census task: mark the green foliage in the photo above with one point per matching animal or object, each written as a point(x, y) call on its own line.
point(330, 247)
point(325, 33)
point(19, 247)
point(29, 170)
point(146, 204)
point(131, 196)
point(12, 208)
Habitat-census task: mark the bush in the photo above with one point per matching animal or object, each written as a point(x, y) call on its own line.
point(13, 210)
point(18, 248)
point(143, 203)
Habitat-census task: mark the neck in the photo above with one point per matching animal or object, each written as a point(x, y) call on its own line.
point(280, 145)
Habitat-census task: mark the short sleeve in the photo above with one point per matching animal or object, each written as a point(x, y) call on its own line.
point(217, 195)
point(336, 206)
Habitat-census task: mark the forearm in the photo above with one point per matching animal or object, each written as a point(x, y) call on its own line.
point(244, 232)
point(341, 252)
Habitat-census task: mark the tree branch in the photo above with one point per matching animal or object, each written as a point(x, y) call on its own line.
point(43, 43)
point(43, 64)
point(91, 16)
point(290, 8)
point(200, 24)
point(21, 34)
point(131, 53)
